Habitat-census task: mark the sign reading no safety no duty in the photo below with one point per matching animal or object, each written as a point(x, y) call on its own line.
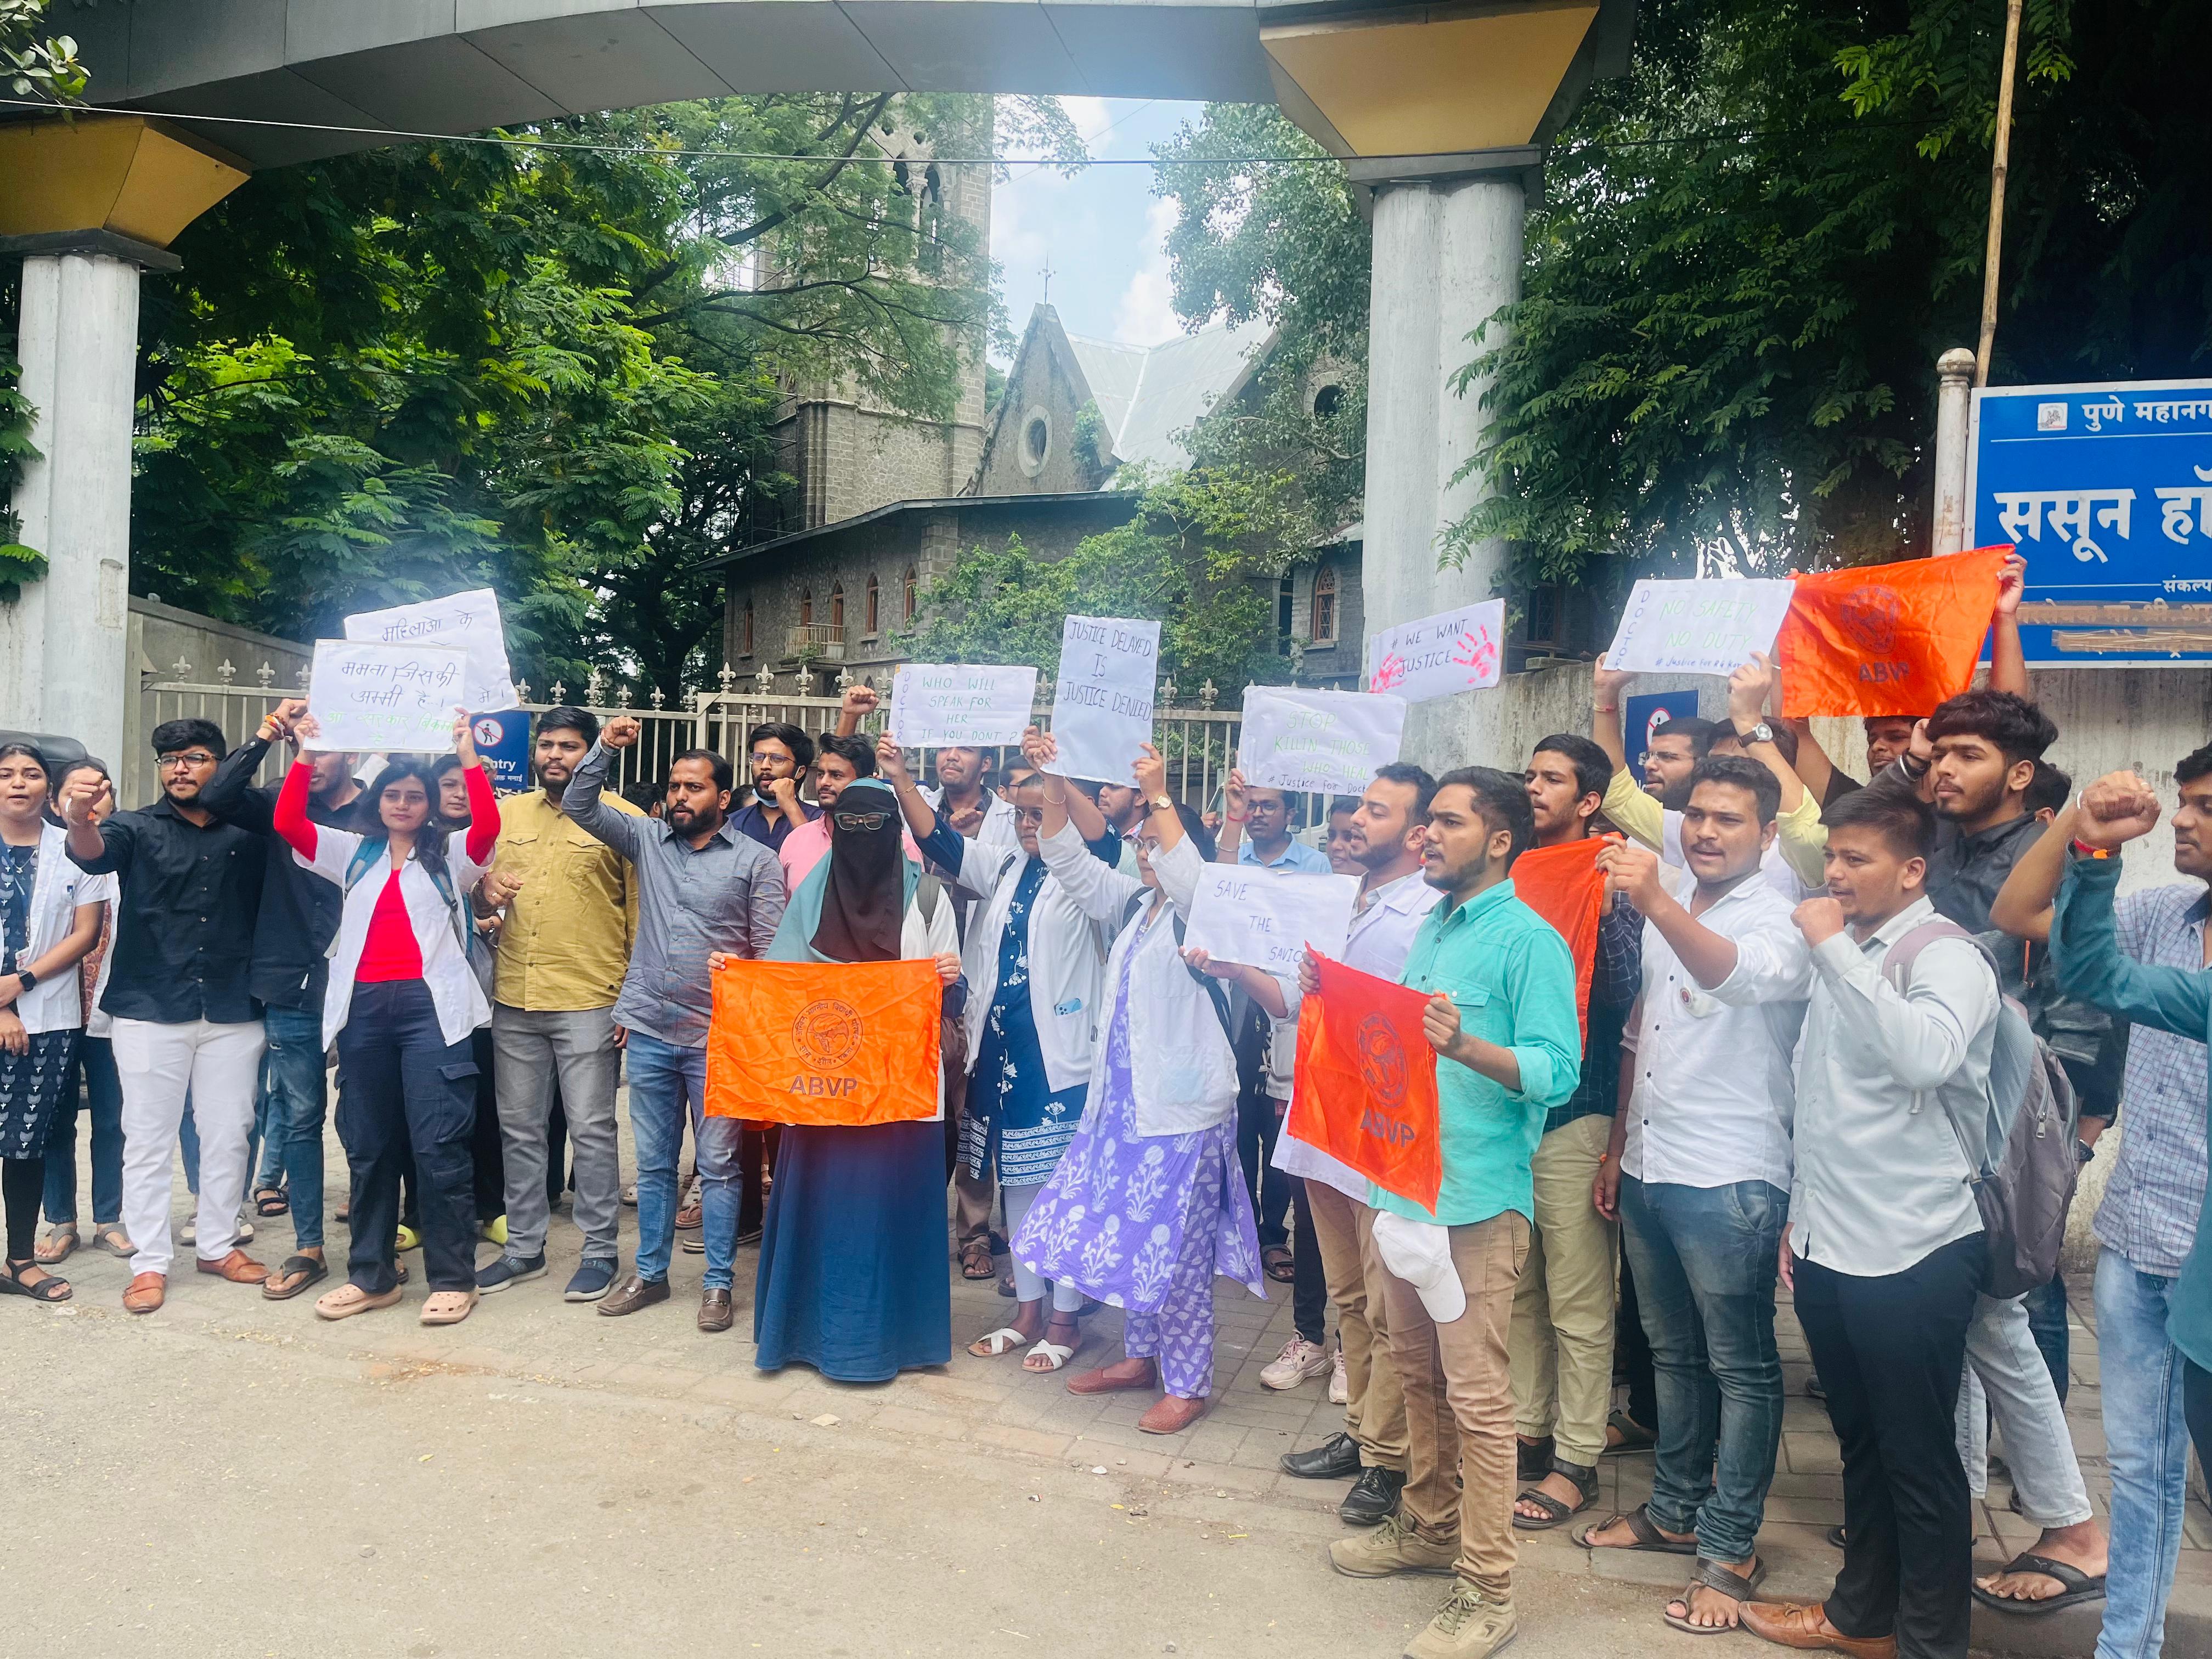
point(2107, 491)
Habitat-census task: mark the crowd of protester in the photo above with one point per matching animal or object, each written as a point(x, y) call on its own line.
point(1800, 987)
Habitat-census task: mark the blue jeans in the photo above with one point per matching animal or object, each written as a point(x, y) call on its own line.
point(294, 1091)
point(2146, 1442)
point(1704, 1259)
point(103, 1105)
point(665, 1083)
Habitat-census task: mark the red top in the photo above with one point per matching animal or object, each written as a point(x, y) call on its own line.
point(391, 951)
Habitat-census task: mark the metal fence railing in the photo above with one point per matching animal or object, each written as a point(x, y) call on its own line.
point(1199, 743)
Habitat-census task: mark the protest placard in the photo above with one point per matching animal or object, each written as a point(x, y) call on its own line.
point(1322, 742)
point(367, 697)
point(934, 704)
point(1887, 639)
point(1365, 1089)
point(469, 620)
point(1454, 650)
point(840, 1044)
point(1710, 626)
point(1101, 704)
point(1265, 918)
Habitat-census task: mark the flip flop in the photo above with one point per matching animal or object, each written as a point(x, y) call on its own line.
point(57, 1246)
point(1634, 1437)
point(1738, 1587)
point(2080, 1586)
point(996, 1343)
point(1647, 1537)
point(275, 1288)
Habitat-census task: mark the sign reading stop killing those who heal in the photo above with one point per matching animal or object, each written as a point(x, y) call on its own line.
point(937, 705)
point(1101, 704)
point(1710, 626)
point(1318, 742)
point(470, 621)
point(1267, 917)
point(1454, 650)
point(369, 697)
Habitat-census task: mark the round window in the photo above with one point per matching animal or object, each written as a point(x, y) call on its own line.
point(1329, 400)
point(1036, 440)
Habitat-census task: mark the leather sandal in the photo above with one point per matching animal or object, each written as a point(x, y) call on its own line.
point(1556, 1514)
point(52, 1288)
point(1738, 1587)
point(1097, 1382)
point(295, 1275)
point(238, 1268)
point(145, 1293)
point(1647, 1536)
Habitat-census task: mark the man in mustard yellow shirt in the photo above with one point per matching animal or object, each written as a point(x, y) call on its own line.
point(571, 903)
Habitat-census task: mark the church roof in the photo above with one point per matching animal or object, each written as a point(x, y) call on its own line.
point(1149, 395)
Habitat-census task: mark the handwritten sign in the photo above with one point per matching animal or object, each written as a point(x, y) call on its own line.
point(470, 621)
point(1102, 706)
point(1710, 626)
point(388, 699)
point(1457, 651)
point(1265, 918)
point(1321, 742)
point(934, 704)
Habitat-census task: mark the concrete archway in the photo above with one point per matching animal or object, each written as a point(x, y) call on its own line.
point(1440, 111)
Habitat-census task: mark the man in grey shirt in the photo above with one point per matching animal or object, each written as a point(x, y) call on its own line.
point(702, 888)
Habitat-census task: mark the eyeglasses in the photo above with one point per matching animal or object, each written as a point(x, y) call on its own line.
point(1032, 816)
point(196, 757)
point(862, 821)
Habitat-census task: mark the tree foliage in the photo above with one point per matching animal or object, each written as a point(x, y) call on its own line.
point(1752, 249)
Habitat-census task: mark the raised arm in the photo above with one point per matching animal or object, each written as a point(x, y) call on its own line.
point(484, 812)
point(2007, 663)
point(1922, 1032)
point(230, 794)
point(1235, 805)
point(580, 799)
point(1710, 956)
point(325, 851)
point(2084, 941)
point(1040, 750)
point(1100, 892)
point(858, 702)
point(2022, 906)
point(941, 843)
point(99, 847)
point(1608, 686)
point(1814, 766)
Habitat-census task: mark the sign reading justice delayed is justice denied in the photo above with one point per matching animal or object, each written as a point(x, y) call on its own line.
point(2106, 489)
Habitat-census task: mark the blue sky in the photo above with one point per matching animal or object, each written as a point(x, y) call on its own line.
point(1100, 231)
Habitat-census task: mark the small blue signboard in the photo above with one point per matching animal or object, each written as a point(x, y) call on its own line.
point(1640, 714)
point(503, 740)
point(2106, 490)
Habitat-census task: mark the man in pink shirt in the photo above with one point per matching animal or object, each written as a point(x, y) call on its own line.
point(837, 763)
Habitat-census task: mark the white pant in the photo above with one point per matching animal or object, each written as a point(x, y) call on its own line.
point(2005, 1369)
point(220, 1066)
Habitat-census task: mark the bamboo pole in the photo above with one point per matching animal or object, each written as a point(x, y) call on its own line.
point(1999, 164)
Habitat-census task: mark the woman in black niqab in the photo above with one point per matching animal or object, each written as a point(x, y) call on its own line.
point(864, 898)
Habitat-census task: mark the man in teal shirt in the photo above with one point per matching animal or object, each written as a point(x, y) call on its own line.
point(1502, 1020)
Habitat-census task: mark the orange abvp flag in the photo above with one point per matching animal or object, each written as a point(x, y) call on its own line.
point(1563, 885)
point(1887, 639)
point(823, 1042)
point(1366, 1089)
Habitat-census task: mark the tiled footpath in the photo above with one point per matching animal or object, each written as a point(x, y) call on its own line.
point(1220, 1466)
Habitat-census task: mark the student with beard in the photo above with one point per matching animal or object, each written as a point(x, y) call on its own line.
point(776, 752)
point(851, 1277)
point(703, 890)
point(180, 994)
point(50, 915)
point(401, 1004)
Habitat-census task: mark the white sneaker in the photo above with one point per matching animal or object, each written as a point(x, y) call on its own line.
point(1298, 1360)
point(1340, 1391)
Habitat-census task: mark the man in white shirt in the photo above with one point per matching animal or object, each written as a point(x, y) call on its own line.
point(1699, 1174)
point(1387, 836)
point(1885, 1248)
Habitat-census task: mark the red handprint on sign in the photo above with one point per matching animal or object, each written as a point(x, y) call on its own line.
point(1389, 674)
point(1477, 652)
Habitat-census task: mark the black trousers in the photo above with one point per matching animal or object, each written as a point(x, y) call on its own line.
point(405, 1089)
point(756, 1150)
point(1889, 1351)
point(1309, 1283)
point(487, 1162)
point(1258, 1121)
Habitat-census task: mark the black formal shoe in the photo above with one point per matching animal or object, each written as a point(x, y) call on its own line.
point(1373, 1498)
point(1335, 1458)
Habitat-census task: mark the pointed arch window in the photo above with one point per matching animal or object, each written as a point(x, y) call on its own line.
point(875, 598)
point(1323, 630)
point(806, 607)
point(837, 606)
point(909, 598)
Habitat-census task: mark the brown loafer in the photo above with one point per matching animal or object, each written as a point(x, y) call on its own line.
point(1172, 1415)
point(716, 1312)
point(147, 1292)
point(632, 1294)
point(1098, 1382)
point(1796, 1625)
point(238, 1268)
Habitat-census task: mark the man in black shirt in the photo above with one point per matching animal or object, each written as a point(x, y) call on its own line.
point(181, 995)
point(297, 918)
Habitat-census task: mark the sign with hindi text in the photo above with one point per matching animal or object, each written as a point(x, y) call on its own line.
point(386, 699)
point(1101, 704)
point(1457, 650)
point(1319, 742)
point(934, 705)
point(469, 620)
point(1267, 917)
point(1708, 626)
point(2106, 490)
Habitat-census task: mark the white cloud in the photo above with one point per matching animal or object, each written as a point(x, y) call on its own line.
point(1146, 314)
point(1092, 116)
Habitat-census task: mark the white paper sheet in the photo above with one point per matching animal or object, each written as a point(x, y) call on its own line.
point(1454, 650)
point(469, 620)
point(1711, 626)
point(934, 704)
point(367, 697)
point(1101, 704)
point(1246, 913)
point(1322, 742)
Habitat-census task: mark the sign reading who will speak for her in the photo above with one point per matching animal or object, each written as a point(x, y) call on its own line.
point(469, 620)
point(372, 698)
point(934, 705)
point(1436, 656)
point(1264, 918)
point(1101, 705)
point(1321, 742)
point(1711, 626)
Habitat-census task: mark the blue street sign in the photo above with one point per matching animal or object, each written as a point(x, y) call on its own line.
point(503, 740)
point(2107, 490)
point(1639, 714)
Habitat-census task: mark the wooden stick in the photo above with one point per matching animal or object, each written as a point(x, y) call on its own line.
point(1998, 166)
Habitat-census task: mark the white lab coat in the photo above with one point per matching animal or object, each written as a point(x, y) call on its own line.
point(56, 1004)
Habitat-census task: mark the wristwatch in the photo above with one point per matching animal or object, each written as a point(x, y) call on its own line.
point(1761, 732)
point(27, 978)
point(1160, 804)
